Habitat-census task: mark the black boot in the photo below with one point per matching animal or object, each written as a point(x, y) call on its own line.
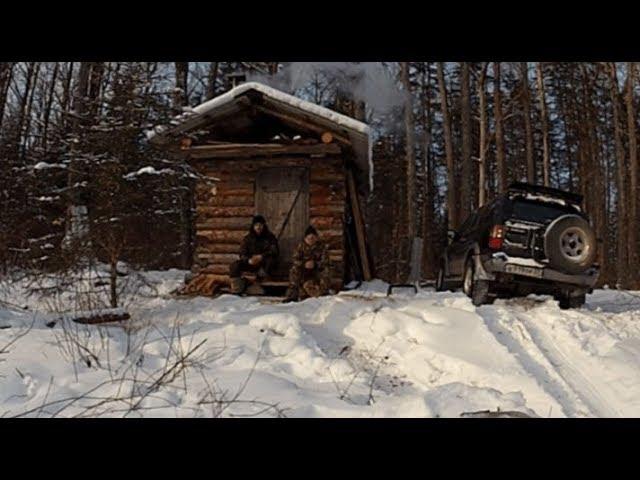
point(237, 286)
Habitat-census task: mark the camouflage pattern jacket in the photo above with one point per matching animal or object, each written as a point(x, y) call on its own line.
point(320, 256)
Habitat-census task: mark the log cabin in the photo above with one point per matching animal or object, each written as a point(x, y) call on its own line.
point(271, 153)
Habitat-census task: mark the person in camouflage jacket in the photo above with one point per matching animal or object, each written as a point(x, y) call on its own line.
point(258, 253)
point(310, 274)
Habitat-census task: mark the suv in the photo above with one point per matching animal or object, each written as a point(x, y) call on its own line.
point(531, 239)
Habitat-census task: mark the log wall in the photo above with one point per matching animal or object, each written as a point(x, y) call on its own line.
point(223, 212)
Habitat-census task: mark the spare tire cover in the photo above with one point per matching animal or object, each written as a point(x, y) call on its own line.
point(570, 244)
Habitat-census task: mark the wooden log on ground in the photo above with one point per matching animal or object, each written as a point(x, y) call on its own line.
point(93, 317)
point(202, 284)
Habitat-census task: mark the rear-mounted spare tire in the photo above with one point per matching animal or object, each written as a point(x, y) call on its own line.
point(570, 244)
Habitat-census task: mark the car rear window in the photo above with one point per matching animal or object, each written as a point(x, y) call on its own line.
point(537, 211)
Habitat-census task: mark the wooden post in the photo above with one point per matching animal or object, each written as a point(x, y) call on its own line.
point(360, 231)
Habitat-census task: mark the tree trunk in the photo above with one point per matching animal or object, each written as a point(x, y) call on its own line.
point(113, 281)
point(180, 96)
point(634, 265)
point(410, 159)
point(448, 142)
point(75, 221)
point(6, 70)
point(95, 83)
point(22, 110)
point(526, 110)
point(482, 167)
point(66, 96)
point(467, 167)
point(621, 206)
point(27, 115)
point(501, 170)
point(46, 114)
point(428, 203)
point(212, 79)
point(545, 128)
point(81, 89)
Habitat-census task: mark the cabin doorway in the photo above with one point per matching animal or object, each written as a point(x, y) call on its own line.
point(282, 197)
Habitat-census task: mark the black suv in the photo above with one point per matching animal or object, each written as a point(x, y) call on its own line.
point(531, 239)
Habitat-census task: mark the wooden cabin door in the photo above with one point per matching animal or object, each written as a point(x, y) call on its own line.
point(282, 197)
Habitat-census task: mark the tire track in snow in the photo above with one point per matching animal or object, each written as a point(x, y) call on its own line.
point(518, 340)
point(590, 394)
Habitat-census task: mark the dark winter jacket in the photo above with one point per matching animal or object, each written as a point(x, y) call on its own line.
point(266, 245)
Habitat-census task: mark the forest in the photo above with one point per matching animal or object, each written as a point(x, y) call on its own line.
point(448, 137)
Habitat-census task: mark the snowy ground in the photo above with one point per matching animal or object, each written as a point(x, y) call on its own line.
point(357, 354)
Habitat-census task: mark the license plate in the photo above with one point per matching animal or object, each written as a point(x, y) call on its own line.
point(522, 270)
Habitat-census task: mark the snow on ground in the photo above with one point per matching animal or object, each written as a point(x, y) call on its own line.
point(356, 354)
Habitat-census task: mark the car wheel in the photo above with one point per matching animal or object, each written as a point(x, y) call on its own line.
point(570, 244)
point(476, 290)
point(566, 302)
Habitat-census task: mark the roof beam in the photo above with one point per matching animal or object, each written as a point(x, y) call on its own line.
point(246, 150)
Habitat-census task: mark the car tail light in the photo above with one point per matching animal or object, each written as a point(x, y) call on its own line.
point(496, 237)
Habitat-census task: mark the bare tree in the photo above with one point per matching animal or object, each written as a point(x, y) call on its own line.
point(448, 141)
point(6, 71)
point(543, 117)
point(621, 206)
point(467, 165)
point(482, 154)
point(633, 171)
point(212, 78)
point(526, 111)
point(409, 124)
point(180, 92)
point(501, 171)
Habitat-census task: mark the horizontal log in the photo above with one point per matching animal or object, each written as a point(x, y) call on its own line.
point(326, 210)
point(327, 189)
point(93, 317)
point(328, 233)
point(317, 201)
point(224, 223)
point(229, 200)
point(228, 174)
point(219, 248)
point(240, 191)
point(206, 211)
point(326, 175)
point(327, 223)
point(216, 268)
point(259, 150)
point(210, 257)
point(220, 236)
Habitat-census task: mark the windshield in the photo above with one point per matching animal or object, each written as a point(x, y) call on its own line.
point(537, 211)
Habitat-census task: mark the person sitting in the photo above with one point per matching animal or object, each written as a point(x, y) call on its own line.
point(310, 274)
point(258, 254)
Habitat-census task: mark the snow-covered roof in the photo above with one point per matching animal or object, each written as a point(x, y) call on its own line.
point(357, 132)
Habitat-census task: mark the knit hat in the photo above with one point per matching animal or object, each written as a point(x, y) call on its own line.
point(310, 231)
point(258, 219)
